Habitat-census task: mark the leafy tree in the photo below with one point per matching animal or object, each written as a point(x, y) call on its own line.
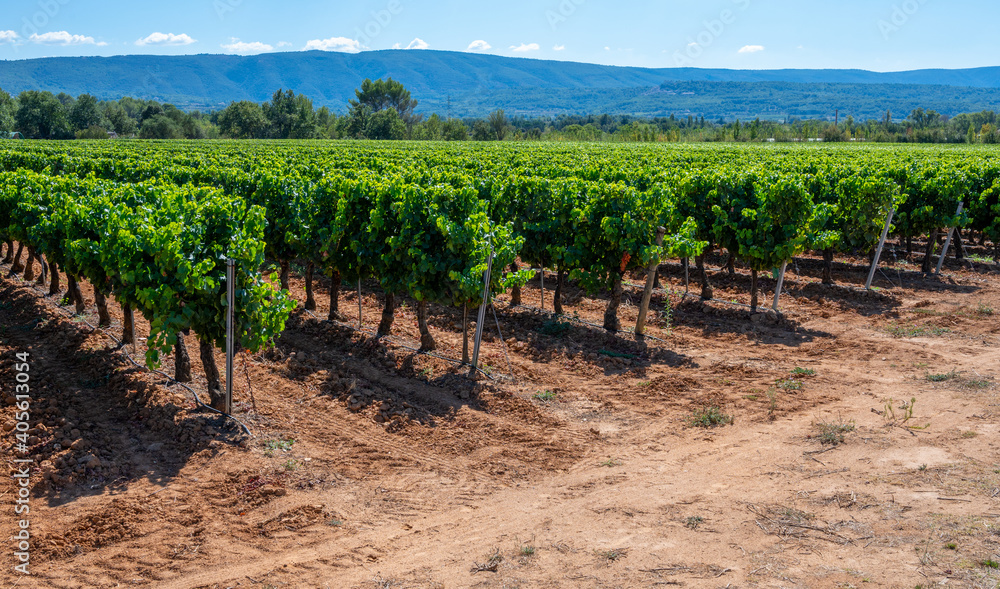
point(161, 127)
point(384, 94)
point(92, 132)
point(150, 111)
point(40, 115)
point(243, 120)
point(119, 119)
point(481, 131)
point(85, 113)
point(66, 100)
point(454, 130)
point(8, 108)
point(498, 120)
point(385, 125)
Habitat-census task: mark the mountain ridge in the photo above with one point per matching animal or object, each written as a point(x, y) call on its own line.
point(469, 80)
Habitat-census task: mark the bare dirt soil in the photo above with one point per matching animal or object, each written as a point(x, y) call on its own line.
point(862, 448)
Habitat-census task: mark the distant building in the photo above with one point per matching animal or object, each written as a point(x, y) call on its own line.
point(16, 135)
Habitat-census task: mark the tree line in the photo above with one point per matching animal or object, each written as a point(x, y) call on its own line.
point(385, 110)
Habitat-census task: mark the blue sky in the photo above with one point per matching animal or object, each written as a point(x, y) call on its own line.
point(881, 35)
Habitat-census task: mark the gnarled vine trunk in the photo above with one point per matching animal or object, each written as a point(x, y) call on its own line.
point(128, 325)
point(74, 294)
point(828, 266)
point(731, 264)
point(103, 317)
point(16, 266)
point(182, 361)
point(29, 266)
point(44, 263)
point(427, 343)
point(54, 286)
point(611, 322)
point(385, 326)
point(515, 293)
point(707, 293)
point(284, 275)
point(959, 246)
point(207, 353)
point(931, 243)
point(560, 282)
point(310, 299)
point(753, 291)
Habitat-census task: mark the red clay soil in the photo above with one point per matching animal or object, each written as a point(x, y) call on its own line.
point(852, 442)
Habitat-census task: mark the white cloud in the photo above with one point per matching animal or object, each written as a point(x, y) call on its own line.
point(559, 48)
point(479, 45)
point(63, 38)
point(522, 48)
point(338, 44)
point(8, 37)
point(752, 49)
point(237, 46)
point(284, 44)
point(418, 43)
point(166, 39)
point(606, 48)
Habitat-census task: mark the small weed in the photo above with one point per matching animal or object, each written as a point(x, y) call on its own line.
point(969, 434)
point(772, 398)
point(291, 465)
point(922, 467)
point(979, 259)
point(803, 372)
point(545, 396)
point(951, 546)
point(271, 446)
point(710, 417)
point(428, 372)
point(942, 377)
point(750, 397)
point(977, 384)
point(492, 565)
point(906, 331)
point(612, 555)
point(644, 383)
point(790, 385)
point(693, 522)
point(984, 310)
point(989, 563)
point(892, 419)
point(554, 328)
point(832, 434)
point(611, 463)
point(335, 523)
point(527, 551)
point(283, 445)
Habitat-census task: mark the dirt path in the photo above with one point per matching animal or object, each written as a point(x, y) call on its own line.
point(372, 467)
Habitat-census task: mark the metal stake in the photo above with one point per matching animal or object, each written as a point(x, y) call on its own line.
point(482, 314)
point(781, 282)
point(878, 252)
point(542, 273)
point(230, 316)
point(647, 295)
point(947, 242)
